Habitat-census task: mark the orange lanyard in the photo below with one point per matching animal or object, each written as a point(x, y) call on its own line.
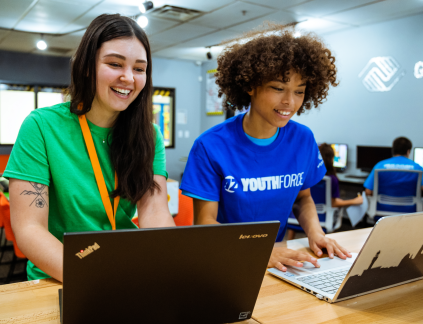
point(111, 213)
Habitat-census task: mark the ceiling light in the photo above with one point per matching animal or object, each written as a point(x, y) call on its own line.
point(142, 21)
point(41, 44)
point(146, 6)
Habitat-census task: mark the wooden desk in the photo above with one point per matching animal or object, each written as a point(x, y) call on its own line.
point(280, 302)
point(36, 302)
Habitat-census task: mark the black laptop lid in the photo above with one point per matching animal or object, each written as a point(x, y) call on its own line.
point(195, 274)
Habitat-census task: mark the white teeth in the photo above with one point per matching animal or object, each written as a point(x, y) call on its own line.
point(122, 91)
point(283, 113)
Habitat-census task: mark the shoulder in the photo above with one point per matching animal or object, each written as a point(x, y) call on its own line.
point(334, 178)
point(222, 132)
point(52, 113)
point(299, 129)
point(157, 130)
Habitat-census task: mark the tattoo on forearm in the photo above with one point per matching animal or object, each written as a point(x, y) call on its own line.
point(39, 200)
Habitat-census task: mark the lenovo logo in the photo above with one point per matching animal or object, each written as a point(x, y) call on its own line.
point(243, 237)
point(83, 253)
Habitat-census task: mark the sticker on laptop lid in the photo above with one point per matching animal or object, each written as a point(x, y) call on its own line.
point(244, 315)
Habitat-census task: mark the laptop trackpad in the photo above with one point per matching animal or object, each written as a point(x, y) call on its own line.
point(325, 265)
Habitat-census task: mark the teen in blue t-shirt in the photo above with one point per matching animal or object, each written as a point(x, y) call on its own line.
point(234, 178)
point(395, 184)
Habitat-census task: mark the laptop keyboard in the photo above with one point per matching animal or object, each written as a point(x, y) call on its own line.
point(328, 282)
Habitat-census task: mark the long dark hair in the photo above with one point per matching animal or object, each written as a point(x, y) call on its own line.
point(132, 144)
point(327, 154)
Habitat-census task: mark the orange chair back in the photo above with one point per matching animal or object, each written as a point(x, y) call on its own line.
point(5, 211)
point(185, 216)
point(1, 214)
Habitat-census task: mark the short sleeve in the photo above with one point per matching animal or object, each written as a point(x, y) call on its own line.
point(159, 163)
point(200, 177)
point(316, 170)
point(28, 160)
point(369, 183)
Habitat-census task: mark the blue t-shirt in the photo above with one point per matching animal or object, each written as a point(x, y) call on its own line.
point(395, 184)
point(253, 182)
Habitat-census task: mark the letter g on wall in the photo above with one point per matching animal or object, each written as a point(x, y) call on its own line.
point(418, 70)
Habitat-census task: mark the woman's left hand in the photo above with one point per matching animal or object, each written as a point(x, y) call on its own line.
point(318, 241)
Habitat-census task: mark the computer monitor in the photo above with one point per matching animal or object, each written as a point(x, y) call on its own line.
point(369, 156)
point(341, 156)
point(418, 156)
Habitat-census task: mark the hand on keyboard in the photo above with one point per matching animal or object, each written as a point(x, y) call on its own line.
point(318, 241)
point(281, 257)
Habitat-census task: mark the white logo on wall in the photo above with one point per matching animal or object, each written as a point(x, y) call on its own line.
point(381, 74)
point(418, 70)
point(230, 183)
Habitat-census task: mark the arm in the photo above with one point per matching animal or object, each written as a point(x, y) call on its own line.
point(370, 192)
point(153, 210)
point(338, 202)
point(205, 212)
point(309, 221)
point(29, 217)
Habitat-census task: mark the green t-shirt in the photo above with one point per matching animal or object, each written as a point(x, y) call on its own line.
point(51, 150)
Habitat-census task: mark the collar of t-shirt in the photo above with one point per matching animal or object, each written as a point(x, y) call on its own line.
point(257, 141)
point(263, 141)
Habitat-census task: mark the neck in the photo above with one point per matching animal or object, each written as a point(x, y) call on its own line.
point(406, 156)
point(255, 126)
point(101, 117)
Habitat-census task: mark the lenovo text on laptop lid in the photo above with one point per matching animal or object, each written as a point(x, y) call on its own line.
point(391, 256)
point(195, 274)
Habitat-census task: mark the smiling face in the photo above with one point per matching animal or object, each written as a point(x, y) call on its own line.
point(275, 102)
point(121, 66)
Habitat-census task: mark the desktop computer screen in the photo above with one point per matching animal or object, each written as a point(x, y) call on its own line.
point(341, 156)
point(369, 156)
point(418, 156)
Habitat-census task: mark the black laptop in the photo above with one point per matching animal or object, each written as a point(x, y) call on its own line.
point(193, 274)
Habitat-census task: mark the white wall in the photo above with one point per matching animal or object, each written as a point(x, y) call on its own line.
point(184, 77)
point(356, 116)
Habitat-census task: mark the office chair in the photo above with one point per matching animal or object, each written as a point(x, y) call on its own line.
point(383, 203)
point(330, 218)
point(185, 215)
point(5, 214)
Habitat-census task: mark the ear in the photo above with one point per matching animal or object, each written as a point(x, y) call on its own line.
point(251, 92)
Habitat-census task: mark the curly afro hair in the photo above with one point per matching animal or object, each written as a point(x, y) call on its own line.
point(270, 53)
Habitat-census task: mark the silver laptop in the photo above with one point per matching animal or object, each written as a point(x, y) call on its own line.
point(391, 256)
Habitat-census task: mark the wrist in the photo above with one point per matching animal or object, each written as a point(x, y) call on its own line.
point(315, 232)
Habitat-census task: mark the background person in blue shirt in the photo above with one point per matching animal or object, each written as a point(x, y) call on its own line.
point(401, 149)
point(254, 166)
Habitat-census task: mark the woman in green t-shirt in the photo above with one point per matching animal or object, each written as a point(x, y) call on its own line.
point(53, 168)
